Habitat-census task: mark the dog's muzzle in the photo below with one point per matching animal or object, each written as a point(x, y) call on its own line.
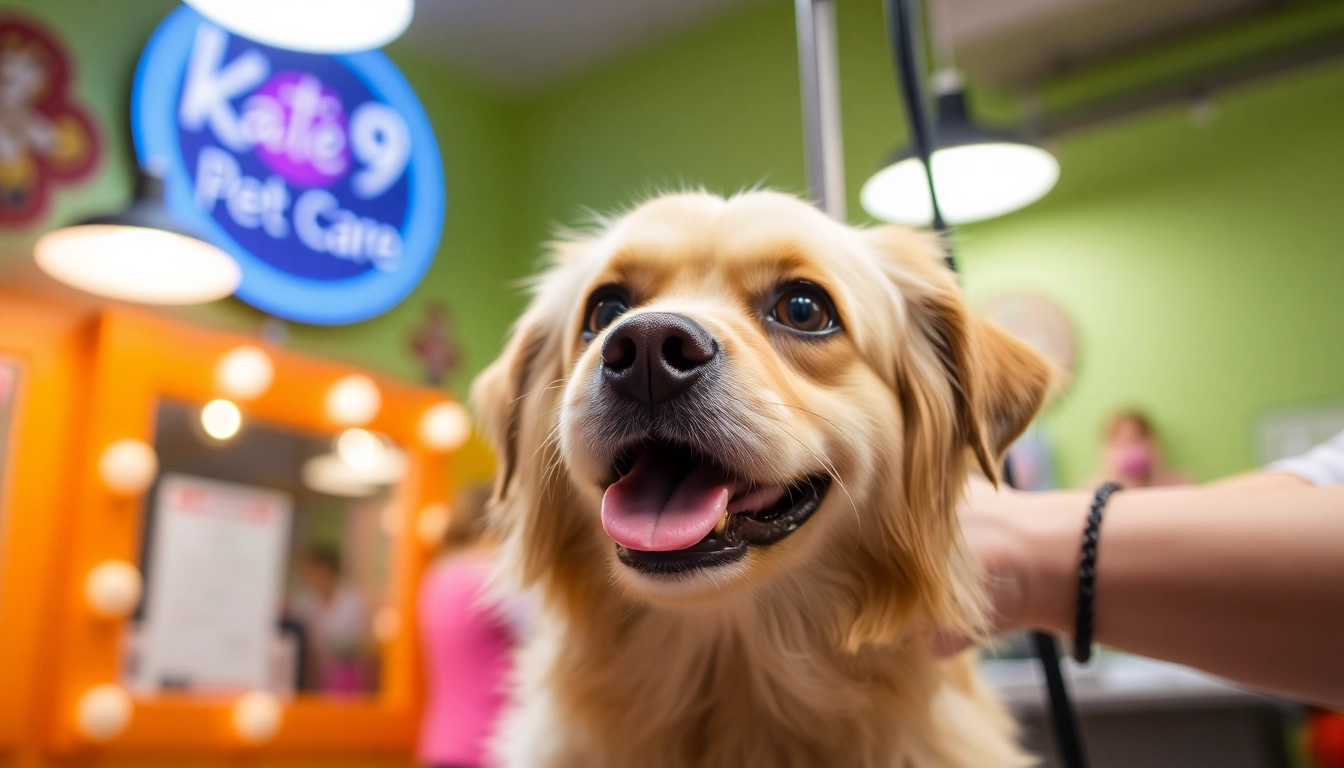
point(654, 357)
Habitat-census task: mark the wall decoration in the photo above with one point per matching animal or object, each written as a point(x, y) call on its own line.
point(45, 137)
point(320, 174)
point(1037, 320)
point(435, 344)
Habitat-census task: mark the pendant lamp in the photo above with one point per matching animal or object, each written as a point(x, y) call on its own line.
point(312, 26)
point(142, 254)
point(979, 174)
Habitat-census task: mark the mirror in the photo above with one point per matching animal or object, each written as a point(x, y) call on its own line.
point(266, 553)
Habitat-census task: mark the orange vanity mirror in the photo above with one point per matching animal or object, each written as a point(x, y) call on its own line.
point(245, 531)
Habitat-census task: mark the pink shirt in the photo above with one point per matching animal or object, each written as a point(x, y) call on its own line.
point(468, 647)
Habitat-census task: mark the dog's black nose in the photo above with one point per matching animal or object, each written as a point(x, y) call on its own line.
point(653, 357)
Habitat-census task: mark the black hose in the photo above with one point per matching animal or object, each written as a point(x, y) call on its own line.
point(904, 33)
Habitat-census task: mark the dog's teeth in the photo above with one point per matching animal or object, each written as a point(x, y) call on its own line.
point(723, 523)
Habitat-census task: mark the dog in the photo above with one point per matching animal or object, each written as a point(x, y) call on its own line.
point(731, 437)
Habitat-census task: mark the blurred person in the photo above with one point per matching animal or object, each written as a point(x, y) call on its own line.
point(1132, 455)
point(1240, 578)
point(336, 621)
point(468, 638)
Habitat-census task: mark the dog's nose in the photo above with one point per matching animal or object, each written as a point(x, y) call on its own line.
point(653, 357)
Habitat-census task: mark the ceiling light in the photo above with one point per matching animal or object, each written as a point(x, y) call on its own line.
point(221, 419)
point(333, 475)
point(360, 448)
point(979, 174)
point(142, 254)
point(312, 26)
point(329, 475)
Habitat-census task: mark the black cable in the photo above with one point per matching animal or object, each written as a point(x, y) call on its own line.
point(904, 33)
point(1063, 717)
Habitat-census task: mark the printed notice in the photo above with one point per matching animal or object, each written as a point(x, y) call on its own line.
point(215, 578)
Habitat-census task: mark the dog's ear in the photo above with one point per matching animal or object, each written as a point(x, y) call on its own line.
point(499, 395)
point(965, 388)
point(998, 384)
point(516, 399)
point(1012, 383)
point(528, 367)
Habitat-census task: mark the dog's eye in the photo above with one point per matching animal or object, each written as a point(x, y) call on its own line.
point(603, 310)
point(804, 308)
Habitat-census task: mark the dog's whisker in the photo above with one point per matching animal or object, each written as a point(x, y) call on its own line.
point(826, 463)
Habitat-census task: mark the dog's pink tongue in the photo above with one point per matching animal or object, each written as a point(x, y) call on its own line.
point(654, 508)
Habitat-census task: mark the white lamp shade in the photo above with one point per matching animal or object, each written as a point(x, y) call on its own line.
point(361, 449)
point(313, 26)
point(140, 264)
point(330, 474)
point(974, 182)
point(137, 264)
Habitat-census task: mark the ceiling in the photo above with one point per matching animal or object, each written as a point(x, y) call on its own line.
point(520, 45)
point(1018, 42)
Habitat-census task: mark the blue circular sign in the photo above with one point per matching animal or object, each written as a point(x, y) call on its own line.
point(319, 174)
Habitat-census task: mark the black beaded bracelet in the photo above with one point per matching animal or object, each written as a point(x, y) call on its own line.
point(1087, 575)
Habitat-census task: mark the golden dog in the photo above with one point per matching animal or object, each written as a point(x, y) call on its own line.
point(732, 435)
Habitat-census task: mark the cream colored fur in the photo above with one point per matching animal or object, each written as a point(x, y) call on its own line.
point(811, 651)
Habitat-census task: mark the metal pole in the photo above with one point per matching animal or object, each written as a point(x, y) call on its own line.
point(819, 71)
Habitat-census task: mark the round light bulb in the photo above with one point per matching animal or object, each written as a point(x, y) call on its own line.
point(353, 401)
point(313, 26)
point(103, 712)
point(221, 419)
point(112, 589)
point(360, 448)
point(445, 427)
point(140, 264)
point(257, 716)
point(128, 467)
point(245, 373)
point(974, 182)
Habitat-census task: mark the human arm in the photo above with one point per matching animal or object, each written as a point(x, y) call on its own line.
point(1244, 581)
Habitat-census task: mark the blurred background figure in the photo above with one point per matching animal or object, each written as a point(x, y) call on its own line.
point(336, 623)
point(468, 636)
point(1133, 456)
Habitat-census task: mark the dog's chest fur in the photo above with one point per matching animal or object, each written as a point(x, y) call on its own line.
point(677, 689)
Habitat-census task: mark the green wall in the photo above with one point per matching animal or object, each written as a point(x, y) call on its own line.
point(1197, 263)
point(478, 260)
point(1200, 266)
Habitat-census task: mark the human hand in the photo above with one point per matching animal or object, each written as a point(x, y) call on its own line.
point(989, 530)
point(1025, 545)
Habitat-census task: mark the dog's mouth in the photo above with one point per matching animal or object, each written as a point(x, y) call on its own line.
point(672, 510)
